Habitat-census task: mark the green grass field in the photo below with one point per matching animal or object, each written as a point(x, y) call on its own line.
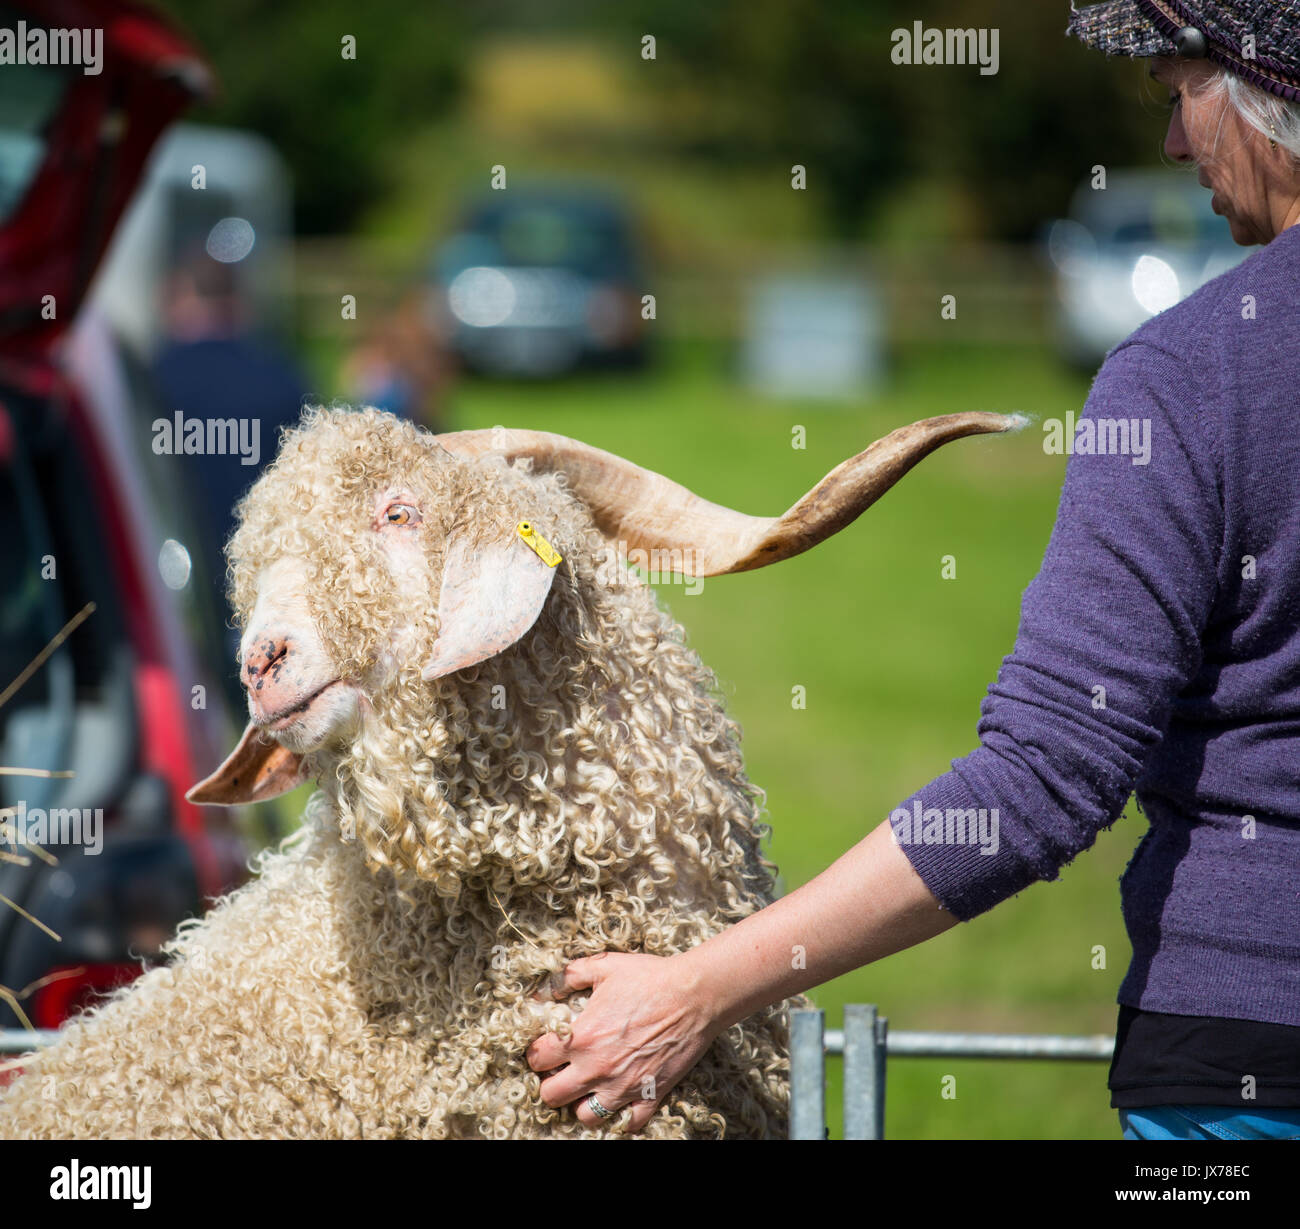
point(894, 661)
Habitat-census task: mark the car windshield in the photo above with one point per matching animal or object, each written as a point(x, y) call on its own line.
point(72, 714)
point(30, 614)
point(589, 241)
point(29, 99)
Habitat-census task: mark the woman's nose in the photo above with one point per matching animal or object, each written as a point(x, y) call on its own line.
point(1176, 144)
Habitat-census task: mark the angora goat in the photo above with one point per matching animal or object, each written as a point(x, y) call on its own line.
point(520, 762)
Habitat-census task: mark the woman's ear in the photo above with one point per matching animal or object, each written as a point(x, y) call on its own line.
point(490, 597)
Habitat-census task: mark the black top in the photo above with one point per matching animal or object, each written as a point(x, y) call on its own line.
point(1203, 1060)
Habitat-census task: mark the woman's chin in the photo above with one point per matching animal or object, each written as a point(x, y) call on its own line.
point(1244, 234)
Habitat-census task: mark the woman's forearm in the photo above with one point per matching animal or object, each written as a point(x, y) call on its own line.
point(650, 1018)
point(868, 904)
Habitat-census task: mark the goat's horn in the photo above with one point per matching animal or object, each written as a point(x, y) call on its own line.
point(647, 511)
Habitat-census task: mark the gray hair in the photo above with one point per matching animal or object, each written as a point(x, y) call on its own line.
point(1275, 117)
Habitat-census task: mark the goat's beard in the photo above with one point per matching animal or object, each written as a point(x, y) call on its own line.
point(426, 793)
point(390, 799)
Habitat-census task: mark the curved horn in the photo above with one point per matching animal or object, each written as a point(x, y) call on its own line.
point(647, 511)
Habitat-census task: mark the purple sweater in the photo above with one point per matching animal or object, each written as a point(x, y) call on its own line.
point(1175, 586)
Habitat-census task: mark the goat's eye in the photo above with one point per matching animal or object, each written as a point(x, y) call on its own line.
point(401, 514)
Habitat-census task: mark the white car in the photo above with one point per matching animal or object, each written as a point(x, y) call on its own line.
point(1129, 250)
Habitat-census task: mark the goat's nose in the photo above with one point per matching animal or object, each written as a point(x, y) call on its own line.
point(263, 658)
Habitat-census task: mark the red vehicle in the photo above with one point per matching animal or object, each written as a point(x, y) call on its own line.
point(90, 515)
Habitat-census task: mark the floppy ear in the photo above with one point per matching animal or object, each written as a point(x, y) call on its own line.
point(257, 769)
point(490, 597)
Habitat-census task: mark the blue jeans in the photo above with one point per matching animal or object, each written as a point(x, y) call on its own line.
point(1208, 1122)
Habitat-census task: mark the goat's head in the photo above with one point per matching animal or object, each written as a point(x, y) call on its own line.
point(381, 574)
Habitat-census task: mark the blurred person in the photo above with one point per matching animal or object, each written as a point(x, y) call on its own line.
point(404, 366)
point(1173, 584)
point(211, 366)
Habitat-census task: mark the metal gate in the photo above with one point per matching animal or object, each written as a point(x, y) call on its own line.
point(865, 1043)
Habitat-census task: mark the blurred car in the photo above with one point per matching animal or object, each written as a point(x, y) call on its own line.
point(540, 282)
point(90, 516)
point(1130, 250)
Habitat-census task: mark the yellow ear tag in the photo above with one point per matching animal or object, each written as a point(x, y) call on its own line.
point(548, 554)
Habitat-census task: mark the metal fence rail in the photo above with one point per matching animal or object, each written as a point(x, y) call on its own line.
point(866, 1043)
point(23, 1041)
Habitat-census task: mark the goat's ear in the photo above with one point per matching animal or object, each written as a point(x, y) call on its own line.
point(490, 597)
point(257, 769)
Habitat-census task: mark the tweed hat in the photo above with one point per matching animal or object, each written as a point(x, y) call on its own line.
point(1256, 39)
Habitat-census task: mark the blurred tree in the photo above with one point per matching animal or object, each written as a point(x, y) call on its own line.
point(752, 83)
point(339, 122)
point(1019, 142)
point(791, 81)
point(787, 83)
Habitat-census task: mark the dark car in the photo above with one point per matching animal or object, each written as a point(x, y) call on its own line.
point(104, 852)
point(538, 282)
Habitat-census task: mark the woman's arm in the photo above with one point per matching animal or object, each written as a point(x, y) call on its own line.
point(1110, 636)
point(650, 1018)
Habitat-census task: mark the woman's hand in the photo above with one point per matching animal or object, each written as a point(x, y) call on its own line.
point(650, 1018)
point(644, 1027)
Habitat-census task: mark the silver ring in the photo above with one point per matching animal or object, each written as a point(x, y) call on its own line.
point(596, 1108)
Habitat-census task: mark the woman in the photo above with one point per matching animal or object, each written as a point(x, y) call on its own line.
point(1159, 650)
